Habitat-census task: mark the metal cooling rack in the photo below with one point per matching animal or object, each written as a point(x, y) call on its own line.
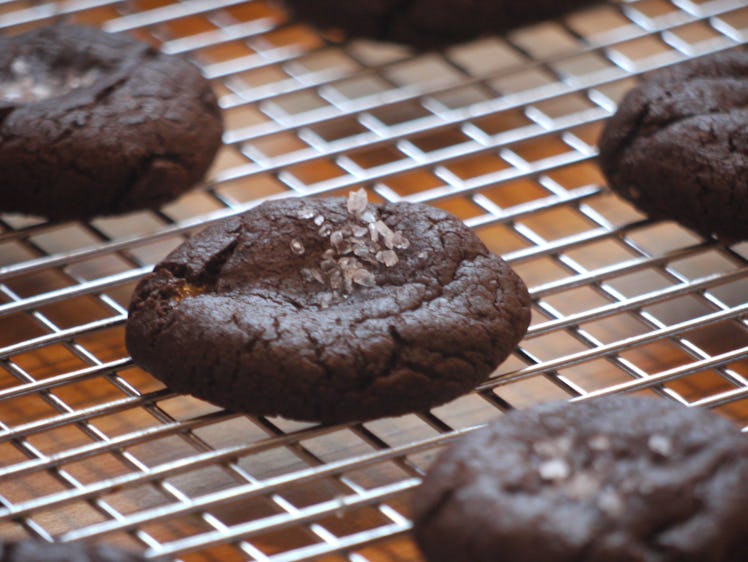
point(500, 132)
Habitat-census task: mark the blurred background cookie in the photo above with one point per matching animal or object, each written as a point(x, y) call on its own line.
point(678, 146)
point(98, 124)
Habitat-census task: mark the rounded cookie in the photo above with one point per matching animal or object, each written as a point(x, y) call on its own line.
point(616, 479)
point(97, 124)
point(428, 23)
point(39, 551)
point(328, 310)
point(678, 146)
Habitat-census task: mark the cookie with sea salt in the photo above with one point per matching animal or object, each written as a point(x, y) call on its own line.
point(617, 479)
point(93, 123)
point(329, 310)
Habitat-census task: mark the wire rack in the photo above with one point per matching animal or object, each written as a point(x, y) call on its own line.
point(500, 132)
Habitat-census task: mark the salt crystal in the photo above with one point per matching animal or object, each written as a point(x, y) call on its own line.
point(327, 266)
point(357, 201)
point(325, 230)
point(661, 445)
point(318, 220)
point(599, 443)
point(610, 503)
point(317, 275)
point(400, 242)
point(41, 91)
point(348, 263)
point(422, 255)
point(336, 238)
point(325, 300)
point(364, 278)
point(328, 254)
point(345, 247)
point(554, 469)
point(297, 247)
point(310, 275)
point(306, 213)
point(19, 67)
point(373, 233)
point(383, 229)
point(369, 217)
point(360, 250)
point(336, 280)
point(387, 257)
point(582, 485)
point(553, 447)
point(359, 231)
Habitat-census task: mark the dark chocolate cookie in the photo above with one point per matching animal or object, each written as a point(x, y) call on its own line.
point(38, 551)
point(328, 310)
point(678, 146)
point(612, 480)
point(428, 23)
point(97, 124)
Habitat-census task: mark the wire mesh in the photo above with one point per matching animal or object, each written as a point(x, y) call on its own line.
point(501, 132)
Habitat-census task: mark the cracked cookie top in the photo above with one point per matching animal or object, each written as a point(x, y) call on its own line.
point(678, 146)
point(620, 478)
point(96, 124)
point(329, 310)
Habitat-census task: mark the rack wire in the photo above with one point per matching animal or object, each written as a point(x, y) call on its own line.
point(500, 132)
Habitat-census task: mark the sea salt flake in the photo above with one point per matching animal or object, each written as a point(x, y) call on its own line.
point(373, 233)
point(660, 445)
point(328, 254)
point(599, 443)
point(318, 220)
point(400, 242)
point(423, 255)
point(348, 263)
point(369, 217)
point(383, 229)
point(327, 266)
point(335, 279)
point(554, 469)
point(610, 503)
point(364, 277)
point(582, 485)
point(336, 238)
point(345, 247)
point(310, 275)
point(325, 300)
point(357, 201)
point(325, 230)
point(306, 213)
point(359, 231)
point(297, 247)
point(387, 257)
point(19, 66)
point(360, 250)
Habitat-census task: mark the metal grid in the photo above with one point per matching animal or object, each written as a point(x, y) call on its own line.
point(500, 132)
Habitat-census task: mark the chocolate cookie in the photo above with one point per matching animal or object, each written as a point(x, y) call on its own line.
point(328, 310)
point(97, 124)
point(612, 480)
point(678, 146)
point(38, 551)
point(428, 23)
